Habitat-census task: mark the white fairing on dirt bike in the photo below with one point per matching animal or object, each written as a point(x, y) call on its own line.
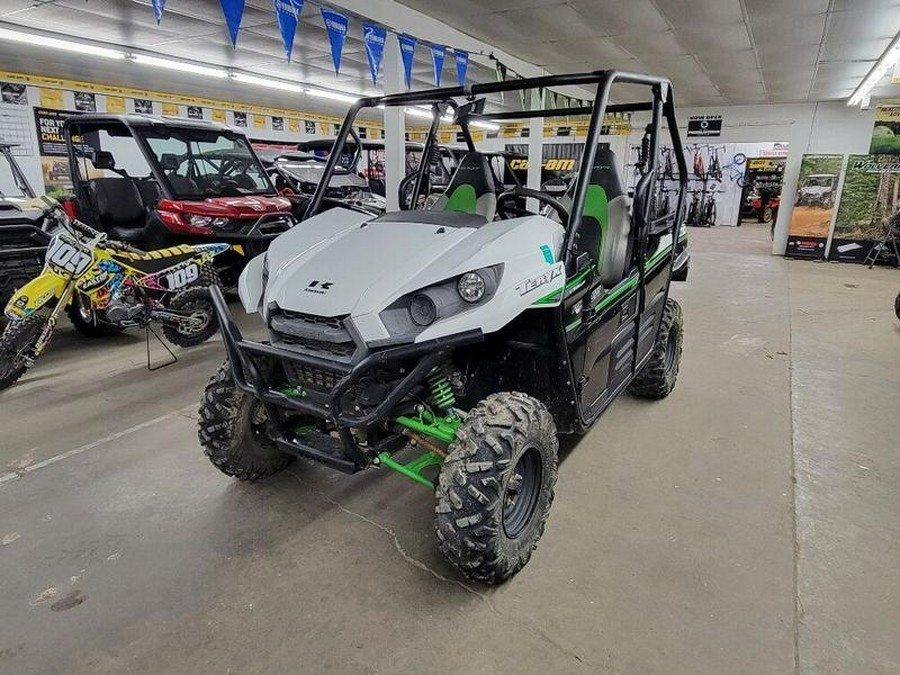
point(342, 263)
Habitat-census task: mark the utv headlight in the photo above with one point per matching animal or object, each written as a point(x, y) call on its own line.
point(471, 287)
point(422, 310)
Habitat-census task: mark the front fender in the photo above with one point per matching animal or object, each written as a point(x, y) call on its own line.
point(251, 284)
point(34, 295)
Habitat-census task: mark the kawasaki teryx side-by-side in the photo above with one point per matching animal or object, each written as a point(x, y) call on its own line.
point(459, 340)
point(158, 182)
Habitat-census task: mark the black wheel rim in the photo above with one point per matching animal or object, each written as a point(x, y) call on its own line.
point(199, 312)
point(671, 350)
point(522, 492)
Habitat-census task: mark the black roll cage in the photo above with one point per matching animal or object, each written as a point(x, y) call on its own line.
point(661, 105)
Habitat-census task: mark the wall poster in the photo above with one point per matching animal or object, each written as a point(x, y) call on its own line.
point(814, 205)
point(869, 199)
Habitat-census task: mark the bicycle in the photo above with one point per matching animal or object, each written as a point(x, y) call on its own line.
point(736, 174)
point(715, 167)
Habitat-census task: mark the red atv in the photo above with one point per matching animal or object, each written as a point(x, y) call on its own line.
point(155, 182)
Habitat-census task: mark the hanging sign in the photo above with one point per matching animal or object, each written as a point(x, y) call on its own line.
point(288, 13)
point(704, 125)
point(85, 101)
point(438, 52)
point(336, 25)
point(158, 7)
point(407, 52)
point(374, 37)
point(234, 12)
point(462, 65)
point(814, 205)
point(885, 140)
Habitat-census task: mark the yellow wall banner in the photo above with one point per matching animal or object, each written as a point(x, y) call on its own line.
point(171, 109)
point(218, 116)
point(115, 104)
point(294, 125)
point(51, 98)
point(259, 121)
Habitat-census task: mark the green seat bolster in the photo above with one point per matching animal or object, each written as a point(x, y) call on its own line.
point(596, 205)
point(463, 199)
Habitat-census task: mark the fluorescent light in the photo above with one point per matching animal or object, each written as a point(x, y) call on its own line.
point(333, 95)
point(879, 70)
point(490, 126)
point(182, 66)
point(267, 82)
point(424, 113)
point(37, 40)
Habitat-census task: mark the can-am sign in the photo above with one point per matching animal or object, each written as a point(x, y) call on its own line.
point(704, 125)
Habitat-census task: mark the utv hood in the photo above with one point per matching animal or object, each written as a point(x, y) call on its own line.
point(368, 264)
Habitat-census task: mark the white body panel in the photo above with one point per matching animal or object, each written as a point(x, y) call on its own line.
point(337, 264)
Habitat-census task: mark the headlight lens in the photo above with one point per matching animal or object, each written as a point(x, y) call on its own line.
point(207, 221)
point(422, 310)
point(471, 287)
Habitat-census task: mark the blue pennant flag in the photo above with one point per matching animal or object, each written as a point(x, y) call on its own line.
point(374, 37)
point(462, 65)
point(234, 12)
point(288, 13)
point(158, 7)
point(438, 52)
point(407, 52)
point(336, 25)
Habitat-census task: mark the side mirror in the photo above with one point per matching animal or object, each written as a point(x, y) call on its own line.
point(103, 160)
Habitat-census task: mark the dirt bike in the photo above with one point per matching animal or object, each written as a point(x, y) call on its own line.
point(106, 287)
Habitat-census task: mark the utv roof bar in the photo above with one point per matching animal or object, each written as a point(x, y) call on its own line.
point(561, 112)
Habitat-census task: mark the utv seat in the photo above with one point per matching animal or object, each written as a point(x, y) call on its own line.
point(471, 190)
point(605, 229)
point(120, 207)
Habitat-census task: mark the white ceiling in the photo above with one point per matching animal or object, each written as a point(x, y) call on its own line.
point(195, 30)
point(715, 51)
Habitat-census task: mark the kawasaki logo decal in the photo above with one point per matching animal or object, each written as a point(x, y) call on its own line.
point(319, 287)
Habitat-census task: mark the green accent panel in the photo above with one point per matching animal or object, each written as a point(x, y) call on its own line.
point(443, 429)
point(463, 200)
point(573, 325)
point(596, 205)
point(659, 256)
point(293, 392)
point(413, 470)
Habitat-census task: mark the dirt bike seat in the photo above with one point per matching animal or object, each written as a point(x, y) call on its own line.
point(154, 261)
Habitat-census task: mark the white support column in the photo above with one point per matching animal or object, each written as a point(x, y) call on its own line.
point(535, 150)
point(394, 124)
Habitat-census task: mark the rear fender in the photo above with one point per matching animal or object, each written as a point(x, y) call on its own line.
point(34, 295)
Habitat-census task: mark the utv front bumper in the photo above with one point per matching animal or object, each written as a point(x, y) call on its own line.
point(335, 403)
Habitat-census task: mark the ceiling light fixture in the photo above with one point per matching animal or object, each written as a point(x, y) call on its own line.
point(490, 126)
point(245, 78)
point(37, 40)
point(181, 66)
point(879, 70)
point(332, 95)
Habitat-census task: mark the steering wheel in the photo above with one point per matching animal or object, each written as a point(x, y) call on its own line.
point(518, 192)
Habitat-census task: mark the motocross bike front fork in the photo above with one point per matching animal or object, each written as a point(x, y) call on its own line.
point(44, 338)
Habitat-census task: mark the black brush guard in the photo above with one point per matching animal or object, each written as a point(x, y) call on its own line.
point(343, 453)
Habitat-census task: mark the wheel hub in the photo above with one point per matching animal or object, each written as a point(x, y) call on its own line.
point(522, 491)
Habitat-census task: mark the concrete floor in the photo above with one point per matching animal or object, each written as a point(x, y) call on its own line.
point(747, 524)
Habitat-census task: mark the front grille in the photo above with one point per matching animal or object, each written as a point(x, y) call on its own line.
point(324, 336)
point(343, 350)
point(307, 377)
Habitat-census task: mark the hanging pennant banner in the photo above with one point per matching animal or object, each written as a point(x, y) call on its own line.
point(374, 37)
point(336, 25)
point(438, 52)
point(407, 52)
point(158, 7)
point(288, 13)
point(462, 65)
point(234, 12)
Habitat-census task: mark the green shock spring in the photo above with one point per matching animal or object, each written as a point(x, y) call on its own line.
point(441, 392)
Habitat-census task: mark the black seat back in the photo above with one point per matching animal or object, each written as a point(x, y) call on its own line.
point(118, 202)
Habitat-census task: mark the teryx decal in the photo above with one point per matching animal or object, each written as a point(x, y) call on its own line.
point(538, 280)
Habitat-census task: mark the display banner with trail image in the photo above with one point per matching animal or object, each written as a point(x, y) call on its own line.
point(52, 149)
point(814, 206)
point(886, 133)
point(870, 197)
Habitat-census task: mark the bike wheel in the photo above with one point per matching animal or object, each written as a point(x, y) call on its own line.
point(739, 158)
point(15, 346)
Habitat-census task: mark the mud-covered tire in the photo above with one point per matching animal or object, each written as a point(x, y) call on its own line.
point(496, 486)
point(658, 376)
point(86, 323)
point(16, 337)
point(197, 301)
point(232, 431)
